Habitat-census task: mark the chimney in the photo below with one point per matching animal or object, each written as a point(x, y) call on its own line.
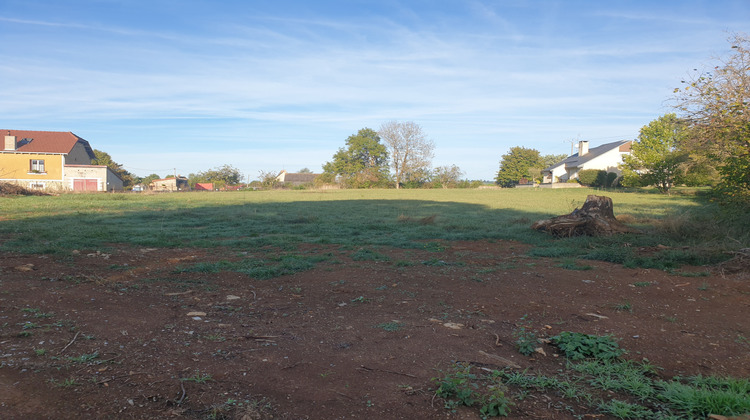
point(583, 148)
point(10, 142)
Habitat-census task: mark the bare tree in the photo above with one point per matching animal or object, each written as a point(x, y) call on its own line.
point(447, 176)
point(268, 180)
point(409, 148)
point(716, 106)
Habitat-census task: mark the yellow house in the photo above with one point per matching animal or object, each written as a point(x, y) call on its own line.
point(53, 160)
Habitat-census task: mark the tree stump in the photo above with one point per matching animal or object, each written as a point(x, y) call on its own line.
point(595, 218)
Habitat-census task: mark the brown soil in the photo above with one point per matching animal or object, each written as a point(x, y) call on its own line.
point(314, 345)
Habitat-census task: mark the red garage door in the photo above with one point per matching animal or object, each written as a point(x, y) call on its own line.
point(85, 185)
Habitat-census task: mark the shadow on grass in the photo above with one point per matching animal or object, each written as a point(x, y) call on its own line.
point(348, 224)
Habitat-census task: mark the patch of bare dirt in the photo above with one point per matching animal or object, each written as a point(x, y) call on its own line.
point(739, 263)
point(123, 334)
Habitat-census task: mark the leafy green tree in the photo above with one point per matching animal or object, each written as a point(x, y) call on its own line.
point(655, 158)
point(515, 166)
point(536, 172)
point(219, 176)
point(363, 163)
point(103, 158)
point(549, 160)
point(716, 106)
point(147, 179)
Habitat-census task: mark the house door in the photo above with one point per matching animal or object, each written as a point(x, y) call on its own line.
point(85, 185)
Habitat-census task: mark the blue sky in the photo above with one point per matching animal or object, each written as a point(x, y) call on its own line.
point(187, 85)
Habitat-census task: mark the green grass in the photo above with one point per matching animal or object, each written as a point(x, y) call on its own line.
point(572, 264)
point(597, 378)
point(198, 377)
point(390, 326)
point(70, 382)
point(368, 219)
point(623, 307)
point(261, 269)
point(85, 358)
point(364, 254)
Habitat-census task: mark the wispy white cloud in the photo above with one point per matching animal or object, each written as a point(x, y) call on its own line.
point(491, 76)
point(651, 17)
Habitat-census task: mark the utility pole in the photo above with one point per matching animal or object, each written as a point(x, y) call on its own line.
point(573, 144)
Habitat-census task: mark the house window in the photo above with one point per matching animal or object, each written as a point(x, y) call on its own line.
point(37, 166)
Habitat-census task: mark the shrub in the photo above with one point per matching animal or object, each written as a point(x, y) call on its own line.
point(592, 177)
point(611, 178)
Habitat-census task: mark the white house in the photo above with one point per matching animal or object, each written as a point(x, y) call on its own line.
point(606, 157)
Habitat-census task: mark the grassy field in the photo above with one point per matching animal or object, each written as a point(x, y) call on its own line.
point(365, 290)
point(689, 230)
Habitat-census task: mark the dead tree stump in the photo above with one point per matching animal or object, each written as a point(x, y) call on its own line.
point(595, 218)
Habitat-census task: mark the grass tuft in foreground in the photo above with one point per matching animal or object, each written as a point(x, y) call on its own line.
point(596, 377)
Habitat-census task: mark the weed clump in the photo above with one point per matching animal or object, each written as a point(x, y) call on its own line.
point(636, 390)
point(464, 388)
point(526, 340)
point(579, 346)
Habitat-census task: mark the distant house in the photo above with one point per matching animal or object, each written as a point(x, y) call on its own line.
point(170, 184)
point(606, 157)
point(291, 179)
point(53, 160)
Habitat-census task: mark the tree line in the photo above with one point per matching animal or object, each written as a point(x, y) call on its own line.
point(398, 155)
point(706, 142)
point(365, 161)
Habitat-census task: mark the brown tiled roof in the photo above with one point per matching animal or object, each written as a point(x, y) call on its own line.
point(46, 141)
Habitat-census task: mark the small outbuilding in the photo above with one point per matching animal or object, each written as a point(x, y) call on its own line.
point(170, 184)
